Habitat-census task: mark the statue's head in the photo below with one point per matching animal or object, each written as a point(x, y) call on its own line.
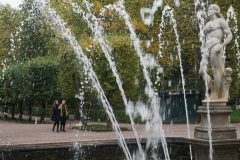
point(216, 9)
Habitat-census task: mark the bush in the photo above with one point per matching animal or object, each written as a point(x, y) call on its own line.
point(48, 112)
point(94, 115)
point(74, 112)
point(120, 115)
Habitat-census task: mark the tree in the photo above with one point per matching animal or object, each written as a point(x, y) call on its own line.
point(42, 78)
point(34, 33)
point(14, 90)
point(9, 23)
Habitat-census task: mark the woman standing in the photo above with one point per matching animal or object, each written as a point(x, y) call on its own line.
point(56, 115)
point(63, 114)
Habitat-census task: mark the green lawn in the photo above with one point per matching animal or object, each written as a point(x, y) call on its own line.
point(99, 128)
point(235, 116)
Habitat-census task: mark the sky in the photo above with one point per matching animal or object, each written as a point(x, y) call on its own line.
point(13, 3)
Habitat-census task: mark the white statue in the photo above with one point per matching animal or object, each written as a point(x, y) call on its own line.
point(214, 31)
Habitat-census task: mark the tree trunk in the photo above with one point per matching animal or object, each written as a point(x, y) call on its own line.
point(43, 111)
point(13, 110)
point(20, 110)
point(30, 111)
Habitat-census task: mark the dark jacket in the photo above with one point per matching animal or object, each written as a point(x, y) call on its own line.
point(56, 114)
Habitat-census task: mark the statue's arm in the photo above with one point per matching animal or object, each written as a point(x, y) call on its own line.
point(227, 32)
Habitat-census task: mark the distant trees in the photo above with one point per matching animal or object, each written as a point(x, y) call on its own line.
point(33, 32)
point(39, 66)
point(35, 81)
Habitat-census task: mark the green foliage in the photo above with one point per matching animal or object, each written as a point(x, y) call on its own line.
point(70, 75)
point(34, 33)
point(95, 115)
point(43, 76)
point(9, 23)
point(121, 116)
point(33, 81)
point(15, 83)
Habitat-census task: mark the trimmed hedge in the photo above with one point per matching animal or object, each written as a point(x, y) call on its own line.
point(120, 115)
point(94, 115)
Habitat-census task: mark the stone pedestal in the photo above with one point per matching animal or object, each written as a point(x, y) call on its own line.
point(224, 137)
point(219, 118)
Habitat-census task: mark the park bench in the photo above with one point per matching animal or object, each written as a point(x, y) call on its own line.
point(71, 118)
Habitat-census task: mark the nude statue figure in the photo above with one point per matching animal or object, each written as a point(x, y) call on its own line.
point(214, 32)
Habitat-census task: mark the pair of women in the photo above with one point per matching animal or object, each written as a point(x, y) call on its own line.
point(60, 113)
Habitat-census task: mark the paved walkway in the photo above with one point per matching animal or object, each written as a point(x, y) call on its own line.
point(20, 136)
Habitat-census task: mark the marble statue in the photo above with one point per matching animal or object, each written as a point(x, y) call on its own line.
point(214, 31)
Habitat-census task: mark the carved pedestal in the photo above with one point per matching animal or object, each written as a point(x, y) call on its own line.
point(224, 137)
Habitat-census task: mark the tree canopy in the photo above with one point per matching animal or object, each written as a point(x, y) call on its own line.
point(37, 64)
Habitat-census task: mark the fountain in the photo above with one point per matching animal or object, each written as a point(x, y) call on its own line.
point(215, 138)
point(214, 131)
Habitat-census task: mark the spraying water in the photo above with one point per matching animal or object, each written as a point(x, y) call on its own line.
point(168, 11)
point(201, 15)
point(59, 25)
point(94, 24)
point(147, 14)
point(161, 26)
point(155, 120)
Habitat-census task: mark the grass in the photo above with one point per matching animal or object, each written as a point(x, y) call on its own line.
point(98, 128)
point(235, 116)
